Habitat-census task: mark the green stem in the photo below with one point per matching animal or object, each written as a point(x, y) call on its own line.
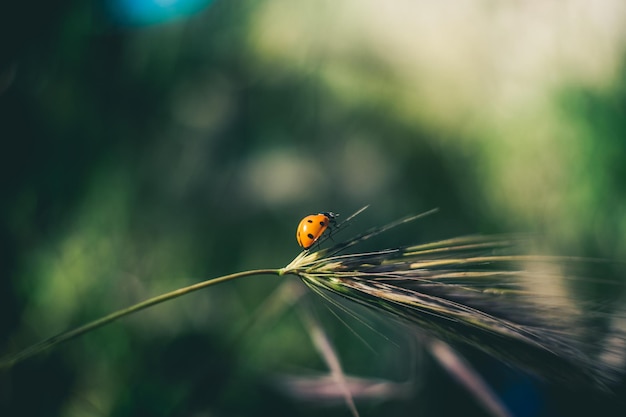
point(37, 348)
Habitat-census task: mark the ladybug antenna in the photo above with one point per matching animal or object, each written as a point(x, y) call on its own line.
point(356, 213)
point(331, 216)
point(338, 226)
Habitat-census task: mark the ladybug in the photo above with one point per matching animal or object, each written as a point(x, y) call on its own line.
point(312, 227)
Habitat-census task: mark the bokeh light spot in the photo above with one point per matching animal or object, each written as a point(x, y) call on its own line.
point(145, 12)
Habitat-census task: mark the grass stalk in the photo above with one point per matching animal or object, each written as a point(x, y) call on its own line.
point(9, 361)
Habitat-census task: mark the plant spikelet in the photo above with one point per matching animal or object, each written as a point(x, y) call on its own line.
point(479, 291)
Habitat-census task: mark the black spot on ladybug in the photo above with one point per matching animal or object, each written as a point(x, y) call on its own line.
point(310, 236)
point(322, 223)
point(309, 221)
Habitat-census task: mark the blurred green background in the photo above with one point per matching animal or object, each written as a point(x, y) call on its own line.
point(148, 145)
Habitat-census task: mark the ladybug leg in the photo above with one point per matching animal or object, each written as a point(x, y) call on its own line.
point(327, 232)
point(332, 222)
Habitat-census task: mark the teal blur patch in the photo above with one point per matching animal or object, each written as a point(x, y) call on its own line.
point(146, 12)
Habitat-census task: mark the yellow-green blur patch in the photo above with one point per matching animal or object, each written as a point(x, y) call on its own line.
point(101, 261)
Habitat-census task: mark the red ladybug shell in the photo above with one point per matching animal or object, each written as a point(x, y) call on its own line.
point(311, 228)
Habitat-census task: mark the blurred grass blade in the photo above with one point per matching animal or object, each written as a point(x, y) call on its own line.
point(326, 350)
point(323, 388)
point(466, 375)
